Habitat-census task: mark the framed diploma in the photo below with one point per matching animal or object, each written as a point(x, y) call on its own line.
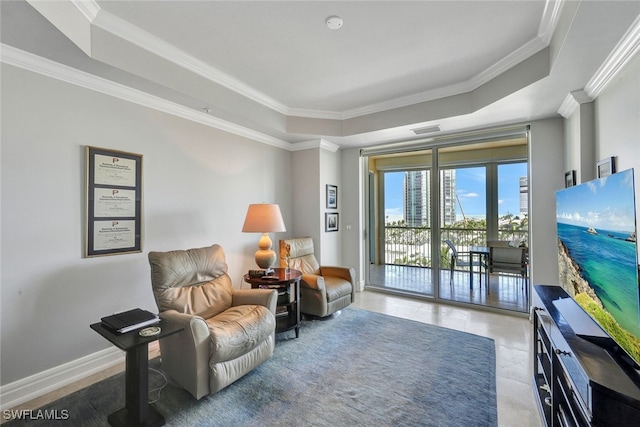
point(114, 202)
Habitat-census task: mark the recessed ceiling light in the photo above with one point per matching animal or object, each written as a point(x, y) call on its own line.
point(334, 22)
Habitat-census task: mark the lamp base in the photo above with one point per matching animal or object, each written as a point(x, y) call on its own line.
point(265, 256)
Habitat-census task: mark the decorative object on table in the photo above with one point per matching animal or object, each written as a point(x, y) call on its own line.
point(570, 179)
point(332, 196)
point(285, 254)
point(331, 221)
point(228, 331)
point(150, 331)
point(606, 167)
point(129, 320)
point(323, 289)
point(114, 202)
point(264, 218)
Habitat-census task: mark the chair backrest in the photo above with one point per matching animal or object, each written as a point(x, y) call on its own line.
point(301, 256)
point(507, 258)
point(193, 281)
point(454, 251)
point(498, 243)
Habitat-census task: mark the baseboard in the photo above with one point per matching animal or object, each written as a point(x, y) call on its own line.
point(34, 386)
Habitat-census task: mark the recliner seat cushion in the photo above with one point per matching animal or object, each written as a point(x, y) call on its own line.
point(239, 330)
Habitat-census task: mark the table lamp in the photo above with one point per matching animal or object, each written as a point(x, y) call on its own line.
point(264, 218)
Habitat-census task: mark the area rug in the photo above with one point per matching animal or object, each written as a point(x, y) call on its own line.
point(357, 368)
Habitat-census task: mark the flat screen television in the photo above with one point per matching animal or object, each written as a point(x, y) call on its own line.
point(598, 262)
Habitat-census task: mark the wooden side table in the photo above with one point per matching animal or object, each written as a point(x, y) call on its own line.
point(137, 411)
point(287, 282)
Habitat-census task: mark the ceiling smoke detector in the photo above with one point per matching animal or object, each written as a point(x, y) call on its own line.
point(428, 129)
point(334, 22)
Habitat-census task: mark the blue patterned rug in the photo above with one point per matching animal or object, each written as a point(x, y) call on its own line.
point(355, 369)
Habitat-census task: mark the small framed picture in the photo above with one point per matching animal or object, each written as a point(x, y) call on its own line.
point(570, 179)
point(606, 167)
point(332, 196)
point(330, 221)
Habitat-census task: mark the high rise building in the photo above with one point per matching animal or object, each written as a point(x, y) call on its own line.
point(417, 197)
point(524, 195)
point(448, 196)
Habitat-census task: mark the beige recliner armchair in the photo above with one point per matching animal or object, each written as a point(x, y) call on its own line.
point(323, 289)
point(227, 332)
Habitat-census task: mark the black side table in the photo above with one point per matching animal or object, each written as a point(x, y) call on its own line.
point(287, 282)
point(137, 411)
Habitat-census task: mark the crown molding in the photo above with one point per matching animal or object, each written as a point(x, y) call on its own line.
point(550, 18)
point(123, 29)
point(315, 143)
point(572, 101)
point(88, 8)
point(127, 31)
point(529, 49)
point(30, 62)
point(626, 49)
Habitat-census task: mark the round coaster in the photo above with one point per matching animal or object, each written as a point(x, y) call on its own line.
point(149, 332)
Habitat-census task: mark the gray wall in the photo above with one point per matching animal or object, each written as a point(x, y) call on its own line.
point(617, 122)
point(198, 182)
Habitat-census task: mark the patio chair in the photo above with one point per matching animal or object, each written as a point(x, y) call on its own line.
point(463, 259)
point(512, 260)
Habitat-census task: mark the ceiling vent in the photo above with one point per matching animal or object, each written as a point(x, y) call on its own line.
point(428, 129)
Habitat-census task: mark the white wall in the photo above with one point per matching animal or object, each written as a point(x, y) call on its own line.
point(305, 173)
point(617, 122)
point(351, 214)
point(546, 176)
point(609, 127)
point(331, 242)
point(198, 182)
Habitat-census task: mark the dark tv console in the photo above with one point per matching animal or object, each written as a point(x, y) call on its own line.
point(577, 382)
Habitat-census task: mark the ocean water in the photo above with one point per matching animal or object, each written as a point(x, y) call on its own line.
point(609, 264)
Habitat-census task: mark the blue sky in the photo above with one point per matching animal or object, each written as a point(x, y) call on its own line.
point(605, 203)
point(470, 188)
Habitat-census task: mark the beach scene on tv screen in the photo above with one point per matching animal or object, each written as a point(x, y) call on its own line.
point(598, 259)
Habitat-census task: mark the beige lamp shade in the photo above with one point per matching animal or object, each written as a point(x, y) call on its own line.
point(264, 218)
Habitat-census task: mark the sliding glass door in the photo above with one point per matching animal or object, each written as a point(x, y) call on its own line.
point(418, 218)
point(463, 224)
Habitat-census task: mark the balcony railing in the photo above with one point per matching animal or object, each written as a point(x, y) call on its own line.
point(412, 245)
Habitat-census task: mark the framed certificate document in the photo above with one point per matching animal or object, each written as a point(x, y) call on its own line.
point(114, 202)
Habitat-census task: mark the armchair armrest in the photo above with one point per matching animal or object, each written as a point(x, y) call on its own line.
point(265, 297)
point(345, 273)
point(313, 281)
point(185, 355)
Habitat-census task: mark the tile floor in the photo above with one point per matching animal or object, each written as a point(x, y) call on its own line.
point(512, 335)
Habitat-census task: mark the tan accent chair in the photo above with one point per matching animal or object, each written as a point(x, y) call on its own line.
point(323, 289)
point(227, 332)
